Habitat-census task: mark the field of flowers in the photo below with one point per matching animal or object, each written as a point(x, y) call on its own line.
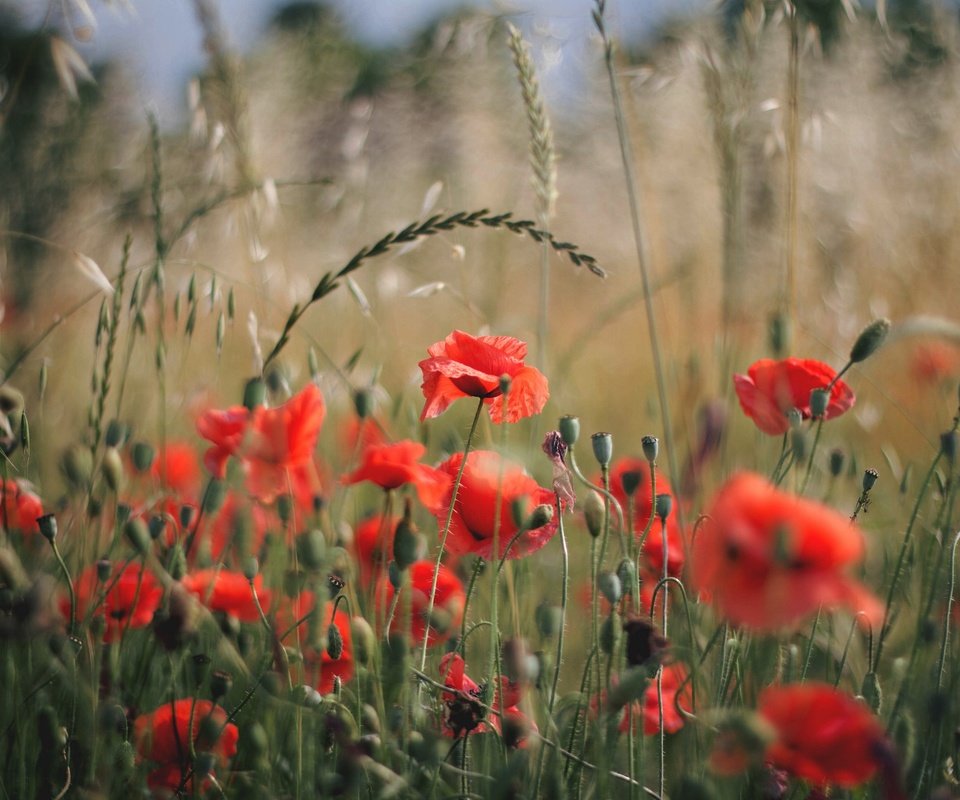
point(638, 483)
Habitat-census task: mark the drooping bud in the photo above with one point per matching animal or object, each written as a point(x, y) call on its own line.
point(334, 642)
point(609, 585)
point(602, 448)
point(869, 340)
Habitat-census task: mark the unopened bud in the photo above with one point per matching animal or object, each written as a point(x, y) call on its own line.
point(137, 534)
point(609, 634)
point(569, 427)
point(214, 496)
point(593, 512)
point(869, 340)
point(116, 433)
point(948, 445)
point(310, 549)
point(112, 469)
point(251, 568)
point(334, 642)
point(610, 586)
point(837, 458)
point(602, 448)
point(364, 640)
point(77, 466)
point(103, 570)
point(406, 542)
point(178, 562)
point(539, 517)
point(363, 402)
point(254, 393)
point(285, 508)
point(142, 455)
point(549, 619)
point(627, 573)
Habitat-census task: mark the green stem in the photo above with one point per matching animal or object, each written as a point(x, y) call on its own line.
point(446, 531)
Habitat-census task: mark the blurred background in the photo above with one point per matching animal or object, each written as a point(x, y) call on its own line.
point(292, 134)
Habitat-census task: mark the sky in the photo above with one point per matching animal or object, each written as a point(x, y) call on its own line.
point(159, 41)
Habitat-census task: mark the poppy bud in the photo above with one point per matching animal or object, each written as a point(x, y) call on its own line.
point(116, 433)
point(778, 334)
point(142, 455)
point(103, 570)
point(602, 448)
point(869, 479)
point(518, 511)
point(77, 465)
point(254, 393)
point(819, 400)
point(569, 429)
point(364, 640)
point(251, 568)
point(178, 562)
point(394, 575)
point(187, 515)
point(156, 525)
point(285, 508)
point(363, 402)
point(214, 496)
point(369, 721)
point(221, 682)
point(869, 340)
point(406, 544)
point(136, 532)
point(334, 642)
point(48, 527)
point(651, 448)
point(836, 461)
point(310, 549)
point(549, 618)
point(948, 445)
point(610, 586)
point(539, 517)
point(593, 512)
point(664, 505)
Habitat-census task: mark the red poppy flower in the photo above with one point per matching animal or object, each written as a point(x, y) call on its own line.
point(822, 734)
point(471, 366)
point(392, 465)
point(20, 507)
point(321, 668)
point(163, 736)
point(474, 516)
point(771, 388)
point(448, 603)
point(934, 362)
point(178, 469)
point(228, 592)
point(276, 445)
point(637, 470)
point(373, 546)
point(133, 597)
point(768, 559)
point(463, 713)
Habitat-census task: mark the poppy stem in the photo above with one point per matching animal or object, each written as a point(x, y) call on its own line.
point(446, 531)
point(813, 450)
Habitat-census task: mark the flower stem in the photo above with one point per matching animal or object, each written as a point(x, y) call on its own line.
point(446, 531)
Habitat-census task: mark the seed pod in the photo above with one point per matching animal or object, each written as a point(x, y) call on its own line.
point(569, 429)
point(602, 448)
point(651, 448)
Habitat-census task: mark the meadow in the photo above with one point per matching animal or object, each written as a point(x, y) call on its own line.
point(396, 428)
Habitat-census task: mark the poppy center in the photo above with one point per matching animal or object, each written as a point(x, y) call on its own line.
point(476, 387)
